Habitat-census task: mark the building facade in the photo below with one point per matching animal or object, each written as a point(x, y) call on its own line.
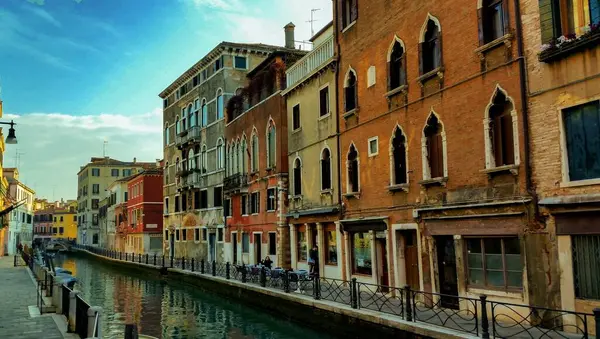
point(145, 213)
point(65, 222)
point(432, 150)
point(20, 219)
point(116, 214)
point(256, 185)
point(194, 149)
point(43, 225)
point(312, 124)
point(561, 45)
point(93, 179)
point(4, 204)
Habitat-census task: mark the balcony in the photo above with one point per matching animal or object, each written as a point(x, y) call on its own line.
point(189, 135)
point(235, 183)
point(310, 63)
point(192, 179)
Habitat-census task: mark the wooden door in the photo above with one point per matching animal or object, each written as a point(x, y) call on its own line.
point(235, 247)
point(448, 279)
point(384, 278)
point(257, 248)
point(411, 260)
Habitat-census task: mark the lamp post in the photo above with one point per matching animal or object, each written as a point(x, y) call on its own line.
point(11, 138)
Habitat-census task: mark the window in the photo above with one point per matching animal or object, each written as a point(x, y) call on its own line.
point(196, 234)
point(220, 104)
point(349, 12)
point(166, 235)
point(431, 49)
point(271, 199)
point(350, 92)
point(61, 230)
point(94, 205)
point(240, 62)
point(243, 156)
point(61, 218)
point(165, 103)
point(183, 120)
point(177, 126)
point(220, 154)
point(245, 243)
point(244, 204)
point(204, 199)
point(95, 188)
point(166, 205)
point(567, 17)
point(177, 204)
point(330, 247)
point(167, 141)
point(325, 169)
point(324, 101)
point(397, 71)
point(204, 113)
point(297, 177)
point(204, 74)
point(218, 63)
point(126, 172)
point(373, 146)
point(95, 219)
point(353, 174)
point(184, 234)
point(501, 131)
point(195, 81)
point(271, 146)
point(582, 141)
point(272, 243)
point(296, 117)
point(125, 198)
point(54, 219)
point(74, 218)
point(204, 159)
point(218, 196)
point(254, 153)
point(95, 172)
point(493, 20)
point(191, 115)
point(227, 207)
point(434, 148)
point(361, 253)
point(494, 262)
point(586, 266)
point(255, 203)
point(177, 234)
point(398, 151)
point(302, 246)
point(191, 160)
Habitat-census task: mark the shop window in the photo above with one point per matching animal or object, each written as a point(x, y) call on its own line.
point(302, 246)
point(331, 247)
point(586, 266)
point(494, 262)
point(361, 253)
point(245, 243)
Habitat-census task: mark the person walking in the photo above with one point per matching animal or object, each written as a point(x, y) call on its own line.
point(20, 248)
point(313, 261)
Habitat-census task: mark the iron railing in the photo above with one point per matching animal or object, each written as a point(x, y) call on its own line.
point(463, 314)
point(81, 317)
point(66, 300)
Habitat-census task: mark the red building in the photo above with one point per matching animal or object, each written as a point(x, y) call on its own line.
point(144, 212)
point(257, 165)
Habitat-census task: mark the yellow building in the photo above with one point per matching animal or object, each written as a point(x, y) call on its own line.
point(3, 194)
point(64, 223)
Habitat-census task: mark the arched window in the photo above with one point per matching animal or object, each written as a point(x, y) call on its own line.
point(177, 170)
point(501, 132)
point(199, 164)
point(166, 173)
point(350, 93)
point(325, 169)
point(204, 113)
point(398, 157)
point(271, 157)
point(431, 47)
point(244, 156)
point(353, 184)
point(220, 104)
point(193, 114)
point(167, 141)
point(434, 148)
point(255, 146)
point(231, 158)
point(220, 154)
point(183, 120)
point(397, 73)
point(191, 160)
point(235, 159)
point(297, 177)
point(204, 160)
point(177, 126)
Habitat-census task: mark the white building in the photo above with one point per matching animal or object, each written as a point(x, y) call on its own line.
point(20, 224)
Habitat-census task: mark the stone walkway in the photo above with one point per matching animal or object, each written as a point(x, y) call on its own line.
point(17, 293)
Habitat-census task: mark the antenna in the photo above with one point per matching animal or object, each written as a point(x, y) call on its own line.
point(312, 20)
point(18, 158)
point(104, 147)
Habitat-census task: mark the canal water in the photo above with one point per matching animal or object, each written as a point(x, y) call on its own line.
point(169, 310)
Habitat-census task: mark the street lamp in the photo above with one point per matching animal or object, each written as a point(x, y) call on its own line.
point(11, 138)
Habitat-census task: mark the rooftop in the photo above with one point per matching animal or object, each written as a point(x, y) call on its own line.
point(107, 161)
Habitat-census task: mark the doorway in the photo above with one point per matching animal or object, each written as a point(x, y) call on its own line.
point(212, 237)
point(382, 267)
point(257, 248)
point(235, 247)
point(448, 280)
point(411, 259)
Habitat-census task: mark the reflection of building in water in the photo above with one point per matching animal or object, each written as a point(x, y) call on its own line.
point(70, 265)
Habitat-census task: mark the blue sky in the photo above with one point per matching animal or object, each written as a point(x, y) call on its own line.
point(77, 72)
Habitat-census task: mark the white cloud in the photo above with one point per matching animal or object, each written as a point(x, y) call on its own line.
point(56, 144)
point(37, 2)
point(43, 14)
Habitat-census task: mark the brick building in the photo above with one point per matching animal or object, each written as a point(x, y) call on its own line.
point(257, 163)
point(145, 212)
point(564, 115)
point(432, 154)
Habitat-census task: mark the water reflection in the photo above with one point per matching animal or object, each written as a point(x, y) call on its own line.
point(170, 310)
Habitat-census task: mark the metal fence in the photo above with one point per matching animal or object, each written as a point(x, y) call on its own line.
point(468, 315)
point(65, 300)
point(81, 317)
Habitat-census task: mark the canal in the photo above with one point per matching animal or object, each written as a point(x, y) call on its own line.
point(169, 310)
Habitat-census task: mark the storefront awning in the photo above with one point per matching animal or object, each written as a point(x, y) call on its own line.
point(364, 224)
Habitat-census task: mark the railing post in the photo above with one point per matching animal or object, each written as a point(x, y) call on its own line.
point(146, 258)
point(183, 263)
point(72, 309)
point(163, 261)
point(243, 274)
point(485, 326)
point(120, 255)
point(227, 270)
point(214, 268)
point(354, 294)
point(171, 262)
point(15, 262)
point(202, 266)
point(317, 286)
point(597, 319)
point(192, 265)
point(286, 282)
point(154, 259)
point(140, 258)
point(91, 313)
point(408, 303)
point(263, 277)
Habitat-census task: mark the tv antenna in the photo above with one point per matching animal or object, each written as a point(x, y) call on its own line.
point(18, 157)
point(312, 20)
point(104, 147)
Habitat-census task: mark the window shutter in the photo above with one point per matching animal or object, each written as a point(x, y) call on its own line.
point(403, 70)
point(505, 16)
point(480, 30)
point(355, 87)
point(354, 11)
point(421, 58)
point(340, 14)
point(389, 75)
point(438, 51)
point(547, 20)
point(497, 140)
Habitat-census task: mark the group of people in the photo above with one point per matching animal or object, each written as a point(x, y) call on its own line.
point(313, 261)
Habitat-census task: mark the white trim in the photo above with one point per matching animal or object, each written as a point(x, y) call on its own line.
point(395, 229)
point(391, 154)
point(424, 27)
point(350, 69)
point(391, 48)
point(424, 153)
point(348, 26)
point(348, 167)
point(376, 139)
point(490, 161)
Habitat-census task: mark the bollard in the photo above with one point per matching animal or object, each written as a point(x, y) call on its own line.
point(91, 313)
point(214, 268)
point(317, 286)
point(139, 258)
point(171, 262)
point(597, 319)
point(243, 274)
point(163, 261)
point(154, 259)
point(286, 282)
point(227, 270)
point(120, 255)
point(408, 304)
point(202, 266)
point(146, 258)
point(485, 325)
point(263, 277)
point(72, 309)
point(183, 263)
point(192, 264)
point(354, 294)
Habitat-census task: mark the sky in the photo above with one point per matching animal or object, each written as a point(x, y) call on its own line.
point(74, 73)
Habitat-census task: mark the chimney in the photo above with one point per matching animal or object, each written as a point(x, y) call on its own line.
point(134, 160)
point(289, 35)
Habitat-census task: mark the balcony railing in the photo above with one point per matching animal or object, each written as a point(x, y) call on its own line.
point(190, 134)
point(235, 182)
point(193, 178)
point(310, 62)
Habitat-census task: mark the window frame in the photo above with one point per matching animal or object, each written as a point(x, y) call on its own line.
point(235, 59)
point(296, 122)
point(354, 268)
point(369, 142)
point(349, 180)
point(327, 102)
point(348, 91)
point(297, 177)
point(483, 16)
point(402, 76)
point(393, 165)
point(321, 165)
point(487, 286)
point(437, 61)
point(272, 198)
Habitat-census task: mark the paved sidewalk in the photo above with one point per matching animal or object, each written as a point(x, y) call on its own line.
point(17, 293)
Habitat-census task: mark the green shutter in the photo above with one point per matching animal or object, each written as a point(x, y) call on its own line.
point(595, 11)
point(546, 21)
